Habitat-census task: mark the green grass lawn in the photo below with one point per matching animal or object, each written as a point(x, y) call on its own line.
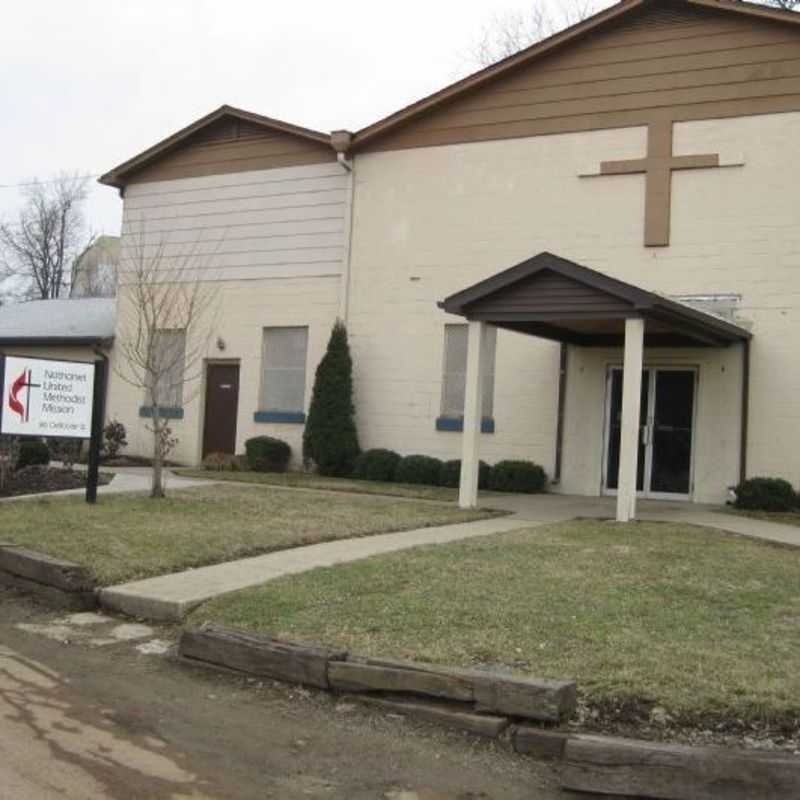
point(125, 537)
point(308, 480)
point(699, 621)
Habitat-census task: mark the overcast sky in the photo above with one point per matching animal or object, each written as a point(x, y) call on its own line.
point(89, 83)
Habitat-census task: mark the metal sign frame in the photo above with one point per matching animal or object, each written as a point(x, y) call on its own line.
point(96, 431)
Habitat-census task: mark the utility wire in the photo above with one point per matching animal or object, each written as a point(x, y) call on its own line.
point(34, 183)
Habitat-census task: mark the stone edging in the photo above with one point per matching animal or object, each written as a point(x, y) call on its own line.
point(497, 705)
point(59, 583)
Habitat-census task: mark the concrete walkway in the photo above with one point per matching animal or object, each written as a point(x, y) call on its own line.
point(559, 506)
point(126, 480)
point(171, 597)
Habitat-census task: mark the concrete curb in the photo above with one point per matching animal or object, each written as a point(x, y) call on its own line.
point(59, 583)
point(500, 707)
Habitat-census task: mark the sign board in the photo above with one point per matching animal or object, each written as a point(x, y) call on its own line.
point(47, 398)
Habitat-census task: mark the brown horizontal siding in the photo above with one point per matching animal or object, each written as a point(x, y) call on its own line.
point(636, 87)
point(755, 55)
point(221, 151)
point(552, 295)
point(699, 66)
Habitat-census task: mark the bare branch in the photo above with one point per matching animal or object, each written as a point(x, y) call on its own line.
point(166, 312)
point(507, 33)
point(37, 252)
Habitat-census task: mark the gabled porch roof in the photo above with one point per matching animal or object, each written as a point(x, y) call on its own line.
point(551, 297)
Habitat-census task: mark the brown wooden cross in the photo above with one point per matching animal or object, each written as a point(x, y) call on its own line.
point(658, 166)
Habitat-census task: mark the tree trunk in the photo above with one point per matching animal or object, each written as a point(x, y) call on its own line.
point(157, 485)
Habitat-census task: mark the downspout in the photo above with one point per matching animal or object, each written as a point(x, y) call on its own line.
point(562, 399)
point(341, 141)
point(745, 404)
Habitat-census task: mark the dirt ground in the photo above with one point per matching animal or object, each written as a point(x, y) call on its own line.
point(97, 718)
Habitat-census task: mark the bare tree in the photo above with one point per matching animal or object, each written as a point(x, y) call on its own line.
point(38, 251)
point(508, 33)
point(165, 318)
point(786, 5)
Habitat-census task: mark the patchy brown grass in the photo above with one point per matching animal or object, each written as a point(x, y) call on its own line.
point(125, 537)
point(690, 618)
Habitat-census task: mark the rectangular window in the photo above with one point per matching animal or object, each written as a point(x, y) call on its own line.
point(455, 370)
point(168, 367)
point(283, 380)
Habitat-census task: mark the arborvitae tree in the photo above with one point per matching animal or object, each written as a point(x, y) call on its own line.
point(330, 440)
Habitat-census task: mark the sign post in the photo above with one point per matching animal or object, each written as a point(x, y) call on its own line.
point(55, 400)
point(97, 430)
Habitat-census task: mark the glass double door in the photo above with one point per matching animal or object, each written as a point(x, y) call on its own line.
point(665, 431)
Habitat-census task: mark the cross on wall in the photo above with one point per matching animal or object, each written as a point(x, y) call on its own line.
point(657, 167)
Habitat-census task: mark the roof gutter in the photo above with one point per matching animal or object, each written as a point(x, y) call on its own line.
point(56, 341)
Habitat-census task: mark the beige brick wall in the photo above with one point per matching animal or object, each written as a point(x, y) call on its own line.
point(431, 221)
point(243, 310)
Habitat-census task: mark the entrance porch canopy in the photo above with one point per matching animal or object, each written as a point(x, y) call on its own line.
point(553, 298)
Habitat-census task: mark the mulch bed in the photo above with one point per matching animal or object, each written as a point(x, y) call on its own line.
point(37, 479)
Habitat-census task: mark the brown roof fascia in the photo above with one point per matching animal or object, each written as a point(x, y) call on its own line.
point(647, 303)
point(456, 303)
point(544, 47)
point(55, 341)
point(750, 9)
point(491, 72)
point(117, 175)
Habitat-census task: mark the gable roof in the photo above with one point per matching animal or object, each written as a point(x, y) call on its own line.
point(118, 175)
point(556, 298)
point(554, 43)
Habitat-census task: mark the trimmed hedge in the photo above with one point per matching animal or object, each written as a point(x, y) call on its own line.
point(418, 469)
point(517, 476)
point(450, 474)
point(377, 464)
point(266, 454)
point(33, 452)
point(766, 494)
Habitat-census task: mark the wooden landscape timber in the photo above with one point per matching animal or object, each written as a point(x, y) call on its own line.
point(629, 768)
point(59, 583)
point(497, 705)
point(258, 655)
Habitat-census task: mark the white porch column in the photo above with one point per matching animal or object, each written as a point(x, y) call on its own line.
point(473, 396)
point(629, 435)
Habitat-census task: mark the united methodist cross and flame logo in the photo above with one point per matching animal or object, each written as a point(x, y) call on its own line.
point(19, 405)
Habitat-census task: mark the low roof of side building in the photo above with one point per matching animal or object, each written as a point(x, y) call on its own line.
point(75, 321)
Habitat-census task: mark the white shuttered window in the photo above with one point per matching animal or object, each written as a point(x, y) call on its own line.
point(455, 370)
point(283, 381)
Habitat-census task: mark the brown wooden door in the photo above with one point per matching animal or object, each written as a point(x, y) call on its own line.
point(222, 404)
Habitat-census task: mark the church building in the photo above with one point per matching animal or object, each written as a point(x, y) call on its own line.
point(586, 255)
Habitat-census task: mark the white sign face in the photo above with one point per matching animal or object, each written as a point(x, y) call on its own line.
point(47, 398)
